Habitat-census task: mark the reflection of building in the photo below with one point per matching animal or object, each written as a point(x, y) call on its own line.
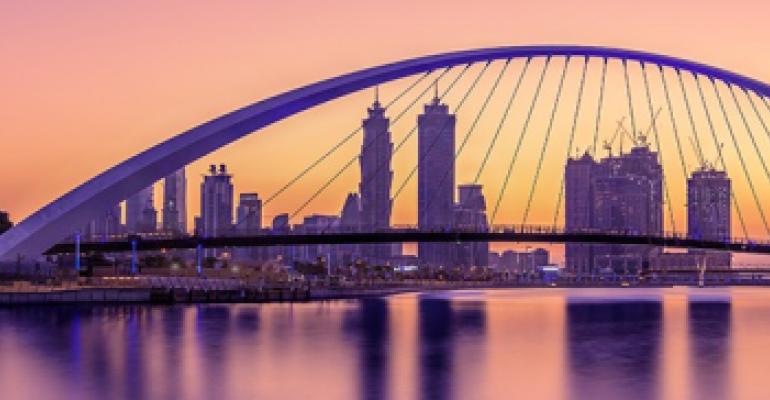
point(376, 180)
point(435, 179)
point(5, 222)
point(216, 218)
point(470, 215)
point(175, 202)
point(141, 215)
point(621, 194)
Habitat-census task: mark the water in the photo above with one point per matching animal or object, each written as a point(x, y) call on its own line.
point(495, 344)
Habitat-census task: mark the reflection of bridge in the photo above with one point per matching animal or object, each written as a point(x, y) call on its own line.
point(725, 111)
point(517, 234)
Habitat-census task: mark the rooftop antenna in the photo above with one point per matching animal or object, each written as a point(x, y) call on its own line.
point(377, 94)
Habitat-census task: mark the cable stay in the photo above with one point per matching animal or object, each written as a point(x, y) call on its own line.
point(673, 124)
point(502, 120)
point(599, 106)
point(756, 111)
point(523, 133)
point(341, 142)
point(545, 141)
point(748, 129)
point(740, 154)
point(366, 145)
point(571, 139)
point(699, 149)
point(653, 127)
point(472, 127)
point(435, 139)
point(718, 148)
point(630, 100)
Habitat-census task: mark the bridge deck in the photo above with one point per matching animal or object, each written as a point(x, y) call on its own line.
point(411, 236)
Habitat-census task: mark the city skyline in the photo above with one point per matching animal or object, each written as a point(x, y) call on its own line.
point(152, 130)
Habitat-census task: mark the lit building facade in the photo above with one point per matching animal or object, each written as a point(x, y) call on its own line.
point(216, 216)
point(471, 215)
point(175, 202)
point(435, 179)
point(376, 181)
point(141, 215)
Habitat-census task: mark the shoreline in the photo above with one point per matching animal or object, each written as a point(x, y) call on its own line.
point(120, 295)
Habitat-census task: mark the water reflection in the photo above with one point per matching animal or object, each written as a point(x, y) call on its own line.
point(709, 332)
point(613, 349)
point(486, 344)
point(440, 326)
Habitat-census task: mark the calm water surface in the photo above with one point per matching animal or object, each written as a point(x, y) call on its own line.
point(496, 344)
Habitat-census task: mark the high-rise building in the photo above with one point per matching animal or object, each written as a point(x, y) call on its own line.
point(376, 180)
point(471, 215)
point(175, 202)
point(107, 225)
point(5, 221)
point(708, 213)
point(141, 215)
point(435, 179)
point(621, 193)
point(216, 218)
point(708, 205)
point(350, 221)
point(249, 214)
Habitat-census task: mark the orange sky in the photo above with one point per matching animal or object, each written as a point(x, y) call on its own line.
point(87, 84)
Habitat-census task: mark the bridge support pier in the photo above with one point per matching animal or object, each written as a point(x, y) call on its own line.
point(199, 258)
point(133, 257)
point(77, 253)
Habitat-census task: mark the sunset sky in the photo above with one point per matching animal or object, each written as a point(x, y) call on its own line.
point(87, 84)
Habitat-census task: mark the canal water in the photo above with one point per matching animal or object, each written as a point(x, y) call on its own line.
point(492, 344)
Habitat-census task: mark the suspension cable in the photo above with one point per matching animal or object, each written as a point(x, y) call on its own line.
point(523, 133)
point(472, 127)
point(353, 159)
point(719, 151)
point(748, 129)
point(444, 126)
point(673, 123)
point(698, 148)
point(545, 141)
point(630, 101)
point(657, 144)
point(341, 142)
point(502, 120)
point(740, 155)
point(578, 103)
point(600, 105)
point(756, 111)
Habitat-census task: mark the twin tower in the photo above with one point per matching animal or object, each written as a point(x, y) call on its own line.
point(436, 208)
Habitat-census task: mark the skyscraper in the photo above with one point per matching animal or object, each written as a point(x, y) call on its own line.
point(471, 214)
point(141, 215)
point(249, 214)
point(435, 178)
point(621, 193)
point(376, 180)
point(708, 213)
point(175, 202)
point(107, 225)
point(216, 217)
